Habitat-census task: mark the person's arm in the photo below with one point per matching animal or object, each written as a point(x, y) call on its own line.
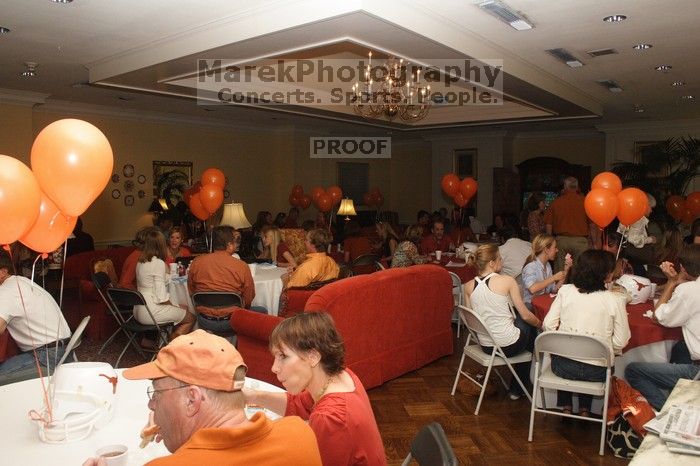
point(530, 278)
point(289, 259)
point(674, 279)
point(274, 401)
point(553, 318)
point(621, 327)
point(3, 325)
point(392, 246)
point(160, 288)
point(412, 254)
point(518, 302)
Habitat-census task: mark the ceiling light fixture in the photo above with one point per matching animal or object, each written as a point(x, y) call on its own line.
point(614, 18)
point(638, 108)
point(30, 70)
point(642, 46)
point(397, 91)
point(663, 67)
point(687, 97)
point(4, 30)
point(678, 83)
point(506, 14)
point(62, 1)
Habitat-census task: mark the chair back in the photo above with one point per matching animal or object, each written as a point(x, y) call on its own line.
point(125, 297)
point(474, 324)
point(75, 339)
point(456, 288)
point(431, 447)
point(217, 299)
point(365, 259)
point(573, 345)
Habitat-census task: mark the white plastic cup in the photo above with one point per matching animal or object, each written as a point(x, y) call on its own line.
point(438, 255)
point(173, 270)
point(114, 455)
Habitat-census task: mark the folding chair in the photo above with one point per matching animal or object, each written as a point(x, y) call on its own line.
point(366, 263)
point(570, 345)
point(122, 297)
point(458, 295)
point(75, 340)
point(102, 281)
point(430, 447)
point(216, 300)
point(497, 358)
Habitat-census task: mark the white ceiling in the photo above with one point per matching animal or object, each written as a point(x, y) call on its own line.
point(133, 52)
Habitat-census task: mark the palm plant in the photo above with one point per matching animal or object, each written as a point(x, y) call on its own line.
point(171, 186)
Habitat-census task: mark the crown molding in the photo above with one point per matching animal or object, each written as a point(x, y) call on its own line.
point(677, 126)
point(21, 98)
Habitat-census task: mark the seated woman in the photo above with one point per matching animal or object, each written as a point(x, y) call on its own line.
point(175, 249)
point(493, 297)
point(309, 362)
point(389, 239)
point(355, 244)
point(406, 252)
point(535, 217)
point(152, 280)
point(537, 274)
point(587, 308)
point(272, 241)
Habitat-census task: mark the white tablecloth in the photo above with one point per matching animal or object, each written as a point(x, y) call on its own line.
point(268, 287)
point(20, 443)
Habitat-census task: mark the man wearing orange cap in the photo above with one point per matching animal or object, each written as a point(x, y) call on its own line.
point(198, 405)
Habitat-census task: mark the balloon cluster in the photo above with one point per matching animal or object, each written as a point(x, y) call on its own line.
point(325, 199)
point(206, 195)
point(71, 163)
point(461, 192)
point(686, 210)
point(297, 198)
point(607, 199)
point(373, 198)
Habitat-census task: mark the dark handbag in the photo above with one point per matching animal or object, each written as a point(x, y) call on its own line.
point(621, 438)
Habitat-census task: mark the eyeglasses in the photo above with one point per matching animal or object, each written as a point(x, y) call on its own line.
point(150, 391)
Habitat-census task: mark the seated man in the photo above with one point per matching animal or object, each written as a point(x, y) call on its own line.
point(219, 271)
point(678, 306)
point(437, 240)
point(34, 321)
point(198, 406)
point(514, 253)
point(317, 267)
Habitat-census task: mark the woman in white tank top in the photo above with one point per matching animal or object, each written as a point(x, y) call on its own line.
point(494, 297)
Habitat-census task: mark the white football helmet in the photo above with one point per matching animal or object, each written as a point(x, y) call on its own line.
point(465, 248)
point(639, 288)
point(83, 396)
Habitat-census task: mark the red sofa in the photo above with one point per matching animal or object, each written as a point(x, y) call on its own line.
point(392, 321)
point(78, 270)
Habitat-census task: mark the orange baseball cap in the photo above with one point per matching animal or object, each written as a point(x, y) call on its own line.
point(198, 358)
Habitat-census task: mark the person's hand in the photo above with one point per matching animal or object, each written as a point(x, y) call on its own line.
point(568, 261)
point(652, 239)
point(99, 461)
point(669, 270)
point(559, 276)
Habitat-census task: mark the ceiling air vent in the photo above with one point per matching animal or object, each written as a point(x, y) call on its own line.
point(506, 14)
point(610, 85)
point(566, 57)
point(601, 52)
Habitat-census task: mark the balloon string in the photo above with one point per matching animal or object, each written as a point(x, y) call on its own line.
point(63, 275)
point(619, 247)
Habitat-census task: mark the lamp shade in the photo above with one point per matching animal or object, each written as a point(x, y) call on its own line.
point(347, 207)
point(234, 215)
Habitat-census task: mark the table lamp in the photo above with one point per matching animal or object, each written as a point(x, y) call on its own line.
point(234, 215)
point(347, 207)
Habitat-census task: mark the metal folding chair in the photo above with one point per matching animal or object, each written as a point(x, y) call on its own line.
point(430, 447)
point(458, 296)
point(102, 281)
point(366, 263)
point(217, 300)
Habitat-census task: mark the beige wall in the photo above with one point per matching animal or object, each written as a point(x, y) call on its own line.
point(582, 150)
point(16, 131)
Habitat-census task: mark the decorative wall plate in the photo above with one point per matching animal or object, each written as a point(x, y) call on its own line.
point(142, 194)
point(128, 185)
point(141, 179)
point(129, 200)
point(128, 170)
point(115, 178)
point(116, 194)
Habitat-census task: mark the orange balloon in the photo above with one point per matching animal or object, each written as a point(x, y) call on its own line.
point(692, 202)
point(316, 191)
point(213, 176)
point(460, 200)
point(675, 206)
point(368, 199)
point(305, 201)
point(19, 199)
point(450, 184)
point(633, 205)
point(324, 203)
point(51, 228)
point(601, 206)
point(294, 200)
point(73, 162)
point(298, 190)
point(468, 187)
point(688, 216)
point(197, 208)
point(335, 193)
point(609, 181)
point(211, 196)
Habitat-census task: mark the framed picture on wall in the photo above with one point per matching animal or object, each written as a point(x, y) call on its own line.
point(465, 163)
point(171, 179)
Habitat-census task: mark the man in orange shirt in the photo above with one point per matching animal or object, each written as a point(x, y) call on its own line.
point(567, 220)
point(199, 410)
point(318, 266)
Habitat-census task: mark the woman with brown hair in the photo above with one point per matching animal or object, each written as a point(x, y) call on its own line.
point(310, 363)
point(176, 236)
point(535, 217)
point(389, 239)
point(152, 280)
point(493, 296)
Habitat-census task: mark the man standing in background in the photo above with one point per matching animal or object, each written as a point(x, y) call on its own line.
point(566, 219)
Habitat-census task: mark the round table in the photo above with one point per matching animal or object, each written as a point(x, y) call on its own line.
point(20, 441)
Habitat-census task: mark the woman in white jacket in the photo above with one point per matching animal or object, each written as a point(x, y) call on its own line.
point(586, 307)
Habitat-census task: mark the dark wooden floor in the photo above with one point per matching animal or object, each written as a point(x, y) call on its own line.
point(498, 436)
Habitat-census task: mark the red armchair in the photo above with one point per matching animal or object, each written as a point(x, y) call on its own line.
point(393, 322)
